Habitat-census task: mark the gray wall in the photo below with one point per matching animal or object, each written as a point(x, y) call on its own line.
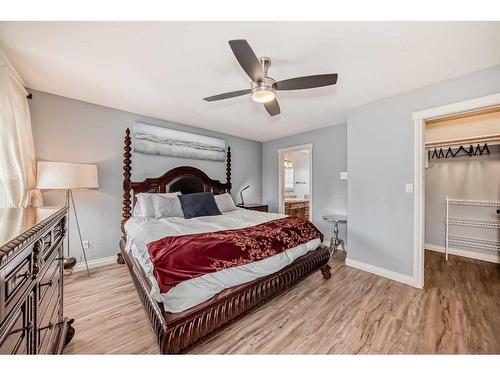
point(380, 163)
point(329, 159)
point(74, 131)
point(462, 178)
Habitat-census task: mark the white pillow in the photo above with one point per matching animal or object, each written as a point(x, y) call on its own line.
point(137, 209)
point(167, 207)
point(144, 205)
point(224, 202)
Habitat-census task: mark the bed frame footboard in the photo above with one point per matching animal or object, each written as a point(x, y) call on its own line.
point(192, 329)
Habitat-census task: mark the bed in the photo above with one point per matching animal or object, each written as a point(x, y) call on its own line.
point(194, 310)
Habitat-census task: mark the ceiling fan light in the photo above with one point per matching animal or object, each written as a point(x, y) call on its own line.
point(263, 96)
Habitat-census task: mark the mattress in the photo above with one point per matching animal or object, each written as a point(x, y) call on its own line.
point(187, 294)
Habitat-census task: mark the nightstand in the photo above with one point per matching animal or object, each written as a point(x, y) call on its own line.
point(254, 207)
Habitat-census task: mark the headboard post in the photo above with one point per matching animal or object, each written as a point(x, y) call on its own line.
point(228, 169)
point(127, 168)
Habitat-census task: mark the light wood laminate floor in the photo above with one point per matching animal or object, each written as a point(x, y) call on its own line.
point(353, 312)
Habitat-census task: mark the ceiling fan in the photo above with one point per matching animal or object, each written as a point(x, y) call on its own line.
point(263, 88)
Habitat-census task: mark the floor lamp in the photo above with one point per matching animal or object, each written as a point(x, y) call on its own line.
point(68, 176)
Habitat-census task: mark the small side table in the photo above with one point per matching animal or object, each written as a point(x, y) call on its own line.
point(335, 241)
point(254, 207)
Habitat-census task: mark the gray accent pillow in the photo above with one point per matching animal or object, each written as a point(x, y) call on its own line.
point(167, 207)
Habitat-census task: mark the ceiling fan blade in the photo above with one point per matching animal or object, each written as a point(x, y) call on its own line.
point(227, 95)
point(247, 59)
point(273, 107)
point(307, 82)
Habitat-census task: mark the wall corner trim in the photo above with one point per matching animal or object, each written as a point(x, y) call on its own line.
point(388, 274)
point(96, 263)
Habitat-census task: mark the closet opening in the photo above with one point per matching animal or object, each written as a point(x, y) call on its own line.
point(295, 181)
point(461, 198)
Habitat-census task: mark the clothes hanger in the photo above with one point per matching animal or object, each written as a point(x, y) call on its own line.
point(478, 150)
point(435, 154)
point(486, 148)
point(449, 152)
point(441, 153)
point(471, 150)
point(461, 148)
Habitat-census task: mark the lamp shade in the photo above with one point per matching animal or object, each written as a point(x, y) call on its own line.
point(59, 175)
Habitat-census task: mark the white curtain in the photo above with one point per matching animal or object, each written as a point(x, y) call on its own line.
point(17, 152)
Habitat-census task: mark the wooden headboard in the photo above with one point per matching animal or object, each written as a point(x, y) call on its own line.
point(184, 179)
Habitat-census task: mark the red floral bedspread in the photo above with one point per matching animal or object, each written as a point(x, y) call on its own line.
point(179, 258)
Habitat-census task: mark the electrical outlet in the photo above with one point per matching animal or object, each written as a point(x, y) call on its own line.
point(409, 188)
point(86, 245)
point(343, 176)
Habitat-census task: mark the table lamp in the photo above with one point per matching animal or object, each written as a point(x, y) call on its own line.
point(241, 194)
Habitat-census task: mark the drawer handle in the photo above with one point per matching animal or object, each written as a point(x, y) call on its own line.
point(27, 328)
point(48, 326)
point(49, 284)
point(24, 275)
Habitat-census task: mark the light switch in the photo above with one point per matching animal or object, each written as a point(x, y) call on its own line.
point(409, 188)
point(343, 175)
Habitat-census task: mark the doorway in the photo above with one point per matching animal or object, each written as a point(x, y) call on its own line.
point(295, 181)
point(421, 119)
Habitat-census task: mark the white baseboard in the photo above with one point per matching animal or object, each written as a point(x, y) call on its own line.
point(396, 276)
point(95, 263)
point(494, 258)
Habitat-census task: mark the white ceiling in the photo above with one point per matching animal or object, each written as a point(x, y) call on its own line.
point(164, 69)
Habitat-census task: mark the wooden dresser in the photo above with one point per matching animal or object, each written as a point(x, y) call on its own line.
point(297, 207)
point(31, 280)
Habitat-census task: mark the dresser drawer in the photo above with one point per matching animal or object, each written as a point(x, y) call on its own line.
point(49, 326)
point(50, 273)
point(50, 239)
point(50, 298)
point(49, 295)
point(15, 338)
point(18, 278)
point(58, 232)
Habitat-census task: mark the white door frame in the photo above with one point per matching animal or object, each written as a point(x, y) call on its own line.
point(281, 174)
point(419, 119)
